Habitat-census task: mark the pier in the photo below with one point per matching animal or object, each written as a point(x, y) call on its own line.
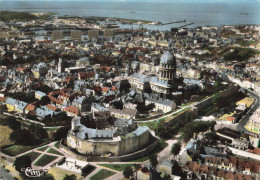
point(174, 22)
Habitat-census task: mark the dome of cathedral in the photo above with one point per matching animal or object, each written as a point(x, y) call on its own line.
point(167, 58)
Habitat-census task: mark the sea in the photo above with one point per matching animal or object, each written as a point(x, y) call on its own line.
point(201, 14)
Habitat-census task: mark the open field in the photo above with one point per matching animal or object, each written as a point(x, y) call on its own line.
point(16, 149)
point(33, 155)
point(60, 173)
point(57, 144)
point(43, 148)
point(53, 151)
point(102, 174)
point(117, 167)
point(5, 133)
point(44, 160)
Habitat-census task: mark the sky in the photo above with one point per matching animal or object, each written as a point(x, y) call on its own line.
point(203, 1)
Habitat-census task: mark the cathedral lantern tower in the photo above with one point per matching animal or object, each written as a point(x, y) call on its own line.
point(60, 65)
point(167, 71)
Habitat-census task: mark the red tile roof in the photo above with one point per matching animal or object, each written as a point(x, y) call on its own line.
point(51, 107)
point(257, 150)
point(58, 101)
point(85, 75)
point(30, 107)
point(113, 88)
point(60, 91)
point(72, 110)
point(2, 99)
point(105, 89)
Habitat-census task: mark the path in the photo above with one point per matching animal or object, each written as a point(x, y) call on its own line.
point(166, 152)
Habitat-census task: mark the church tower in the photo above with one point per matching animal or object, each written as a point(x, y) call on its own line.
point(60, 66)
point(167, 71)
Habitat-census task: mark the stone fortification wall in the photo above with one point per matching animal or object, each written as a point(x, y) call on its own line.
point(199, 107)
point(224, 94)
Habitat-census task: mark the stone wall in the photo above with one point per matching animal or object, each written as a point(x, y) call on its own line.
point(208, 102)
point(197, 108)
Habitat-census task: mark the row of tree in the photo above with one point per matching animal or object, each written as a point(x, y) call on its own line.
point(188, 131)
point(30, 135)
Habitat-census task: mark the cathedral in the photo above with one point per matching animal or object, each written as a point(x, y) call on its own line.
point(164, 83)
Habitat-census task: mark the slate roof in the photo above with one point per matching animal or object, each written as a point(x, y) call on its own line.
point(21, 105)
point(40, 93)
point(10, 101)
point(192, 81)
point(140, 130)
point(158, 100)
point(152, 79)
point(79, 100)
point(42, 112)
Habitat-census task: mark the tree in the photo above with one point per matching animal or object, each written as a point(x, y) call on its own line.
point(137, 166)
point(46, 118)
point(62, 116)
point(150, 107)
point(3, 121)
point(117, 104)
point(153, 160)
point(21, 136)
point(212, 125)
point(3, 108)
point(141, 108)
point(13, 123)
point(70, 177)
point(22, 162)
point(128, 172)
point(147, 88)
point(163, 131)
point(38, 131)
point(176, 148)
point(44, 100)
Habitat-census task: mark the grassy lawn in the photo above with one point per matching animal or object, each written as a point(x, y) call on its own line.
point(102, 174)
point(152, 125)
point(44, 160)
point(60, 173)
point(16, 149)
point(43, 148)
point(117, 167)
point(5, 133)
point(33, 155)
point(88, 170)
point(53, 151)
point(57, 144)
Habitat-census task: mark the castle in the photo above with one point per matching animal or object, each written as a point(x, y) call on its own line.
point(122, 136)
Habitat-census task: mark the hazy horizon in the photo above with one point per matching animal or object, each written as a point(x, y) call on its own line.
point(147, 1)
